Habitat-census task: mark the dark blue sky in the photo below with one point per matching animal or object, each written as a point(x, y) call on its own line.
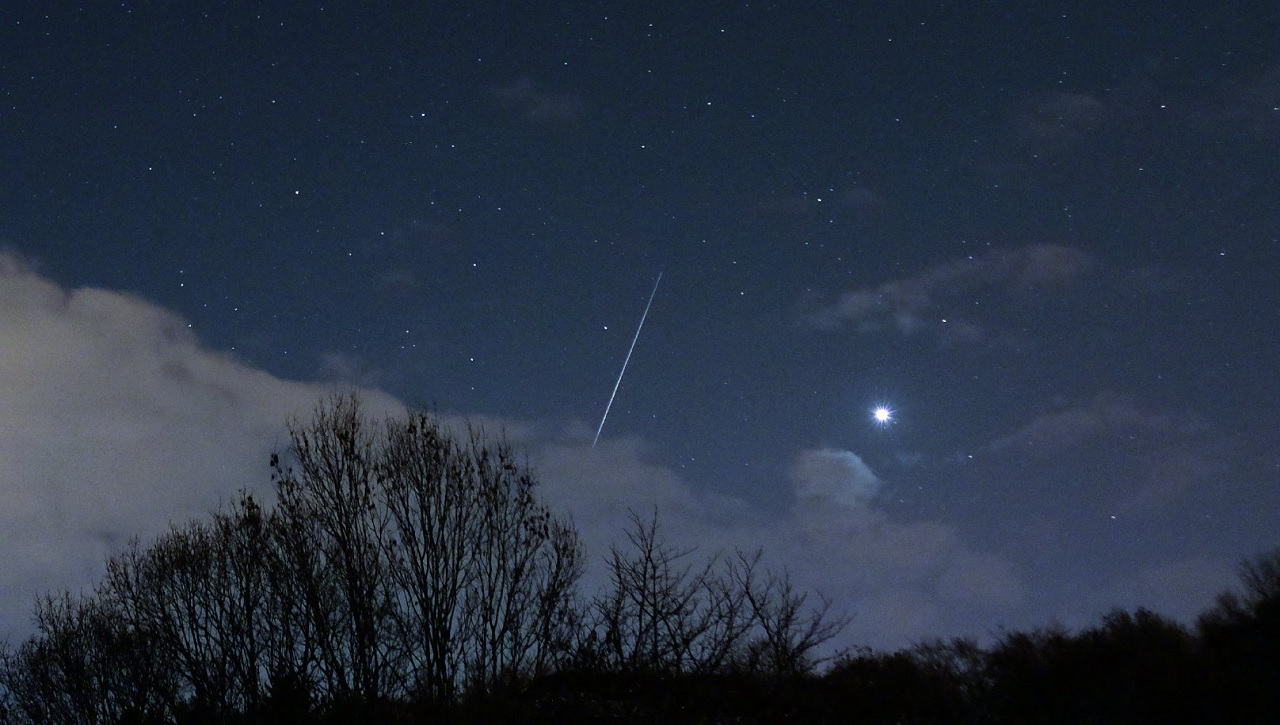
point(1047, 237)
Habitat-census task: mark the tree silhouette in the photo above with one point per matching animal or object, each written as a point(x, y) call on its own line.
point(402, 563)
point(427, 564)
point(408, 570)
point(84, 665)
point(485, 573)
point(664, 614)
point(787, 633)
point(668, 615)
point(1240, 639)
point(328, 498)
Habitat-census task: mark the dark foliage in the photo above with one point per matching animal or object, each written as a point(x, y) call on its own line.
point(408, 574)
point(1131, 668)
point(405, 573)
point(1240, 642)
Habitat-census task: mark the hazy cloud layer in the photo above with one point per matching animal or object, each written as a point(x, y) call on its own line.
point(1057, 121)
point(1106, 415)
point(116, 422)
point(531, 101)
point(905, 579)
point(1180, 587)
point(940, 300)
point(1157, 459)
point(902, 580)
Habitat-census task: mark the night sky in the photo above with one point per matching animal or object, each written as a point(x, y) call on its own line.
point(1045, 235)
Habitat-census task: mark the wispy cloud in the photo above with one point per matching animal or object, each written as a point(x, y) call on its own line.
point(1251, 109)
point(1106, 415)
point(530, 100)
point(1057, 121)
point(1154, 459)
point(940, 299)
point(1140, 115)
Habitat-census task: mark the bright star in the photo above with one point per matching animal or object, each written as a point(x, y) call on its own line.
point(882, 415)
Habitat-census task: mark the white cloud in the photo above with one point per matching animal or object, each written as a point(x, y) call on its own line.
point(838, 477)
point(905, 580)
point(114, 421)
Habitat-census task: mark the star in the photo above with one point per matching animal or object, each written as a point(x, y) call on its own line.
point(882, 415)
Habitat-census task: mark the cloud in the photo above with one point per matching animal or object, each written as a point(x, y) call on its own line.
point(836, 477)
point(1178, 588)
point(526, 98)
point(348, 369)
point(936, 300)
point(1057, 121)
point(114, 421)
point(903, 580)
point(841, 538)
point(1181, 588)
point(1106, 415)
point(1082, 132)
point(1153, 458)
point(398, 282)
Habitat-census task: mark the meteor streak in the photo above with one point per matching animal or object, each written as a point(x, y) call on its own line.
point(640, 327)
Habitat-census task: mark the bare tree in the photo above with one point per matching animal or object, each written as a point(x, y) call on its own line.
point(84, 666)
point(201, 594)
point(664, 614)
point(485, 571)
point(402, 560)
point(168, 591)
point(184, 625)
point(523, 577)
point(787, 631)
point(424, 559)
point(328, 500)
point(425, 487)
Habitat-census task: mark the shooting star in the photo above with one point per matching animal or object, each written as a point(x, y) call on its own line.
point(627, 360)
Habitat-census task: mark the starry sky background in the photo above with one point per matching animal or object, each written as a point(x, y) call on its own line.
point(1046, 235)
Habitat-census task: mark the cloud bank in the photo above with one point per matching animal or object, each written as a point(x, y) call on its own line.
point(940, 300)
point(116, 421)
point(1159, 460)
point(902, 580)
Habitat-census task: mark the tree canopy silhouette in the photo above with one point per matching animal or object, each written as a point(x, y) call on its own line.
point(407, 569)
point(404, 566)
point(402, 562)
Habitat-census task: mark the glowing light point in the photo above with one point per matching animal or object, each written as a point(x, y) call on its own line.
point(882, 416)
